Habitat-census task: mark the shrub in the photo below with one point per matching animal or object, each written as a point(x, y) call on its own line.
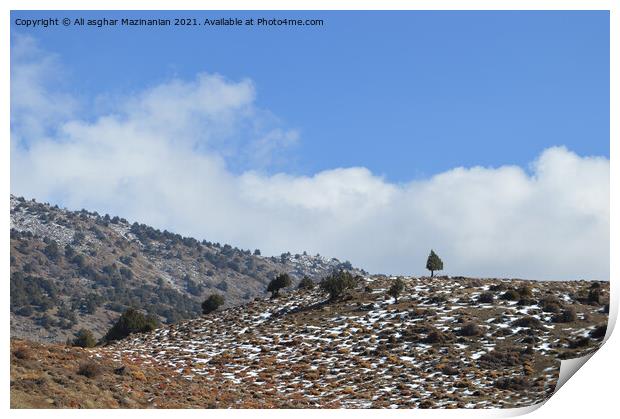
point(579, 342)
point(279, 282)
point(594, 296)
point(131, 321)
point(212, 303)
point(513, 383)
point(89, 369)
point(486, 298)
point(528, 321)
point(52, 251)
point(501, 358)
point(551, 307)
point(338, 283)
point(470, 329)
point(22, 352)
point(396, 288)
point(25, 311)
point(525, 291)
point(434, 263)
point(498, 287)
point(306, 284)
point(84, 339)
point(599, 332)
point(566, 316)
point(510, 295)
point(550, 304)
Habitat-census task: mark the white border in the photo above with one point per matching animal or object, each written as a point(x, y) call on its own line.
point(591, 394)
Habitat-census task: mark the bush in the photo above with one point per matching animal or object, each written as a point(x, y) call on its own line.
point(25, 311)
point(599, 332)
point(338, 283)
point(22, 352)
point(131, 321)
point(550, 304)
point(566, 316)
point(306, 284)
point(498, 287)
point(470, 329)
point(279, 282)
point(212, 303)
point(52, 251)
point(525, 291)
point(89, 369)
point(528, 321)
point(396, 288)
point(513, 383)
point(594, 296)
point(511, 295)
point(84, 339)
point(486, 298)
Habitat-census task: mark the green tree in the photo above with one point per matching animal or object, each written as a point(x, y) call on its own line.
point(434, 263)
point(131, 321)
point(84, 338)
point(306, 283)
point(212, 303)
point(338, 283)
point(397, 287)
point(279, 282)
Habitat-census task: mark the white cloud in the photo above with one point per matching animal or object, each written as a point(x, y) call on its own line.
point(161, 158)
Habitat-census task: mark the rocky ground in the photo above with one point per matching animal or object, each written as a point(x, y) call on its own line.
point(446, 343)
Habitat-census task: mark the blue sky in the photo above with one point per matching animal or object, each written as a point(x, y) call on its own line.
point(405, 94)
point(381, 135)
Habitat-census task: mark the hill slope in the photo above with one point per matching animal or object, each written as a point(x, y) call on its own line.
point(448, 342)
point(74, 269)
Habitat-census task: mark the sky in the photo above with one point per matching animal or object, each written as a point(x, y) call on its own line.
point(373, 138)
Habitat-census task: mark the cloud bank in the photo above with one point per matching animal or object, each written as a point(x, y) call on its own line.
point(163, 157)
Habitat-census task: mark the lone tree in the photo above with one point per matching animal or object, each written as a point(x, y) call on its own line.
point(337, 283)
point(397, 287)
point(279, 282)
point(212, 303)
point(434, 263)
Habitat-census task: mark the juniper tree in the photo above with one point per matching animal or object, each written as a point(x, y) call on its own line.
point(279, 282)
point(131, 321)
point(84, 338)
point(434, 263)
point(337, 283)
point(306, 283)
point(212, 303)
point(397, 287)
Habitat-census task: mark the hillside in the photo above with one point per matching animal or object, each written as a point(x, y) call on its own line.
point(75, 269)
point(446, 343)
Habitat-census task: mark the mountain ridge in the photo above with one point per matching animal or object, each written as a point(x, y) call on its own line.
point(84, 268)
